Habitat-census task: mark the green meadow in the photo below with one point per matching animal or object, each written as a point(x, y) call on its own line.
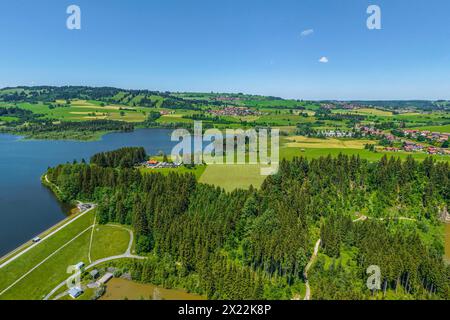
point(442, 129)
point(231, 177)
point(67, 247)
point(8, 119)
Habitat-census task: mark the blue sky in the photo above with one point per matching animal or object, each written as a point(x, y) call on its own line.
point(252, 46)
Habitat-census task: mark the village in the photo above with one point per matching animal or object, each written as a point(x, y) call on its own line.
point(407, 145)
point(155, 164)
point(234, 112)
point(432, 136)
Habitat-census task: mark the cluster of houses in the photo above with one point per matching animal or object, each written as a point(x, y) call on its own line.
point(337, 134)
point(226, 98)
point(433, 136)
point(340, 105)
point(97, 281)
point(369, 131)
point(234, 111)
point(372, 132)
point(408, 146)
point(166, 112)
point(415, 147)
point(154, 164)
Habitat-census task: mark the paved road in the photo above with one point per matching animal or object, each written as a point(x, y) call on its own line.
point(126, 255)
point(43, 261)
point(45, 238)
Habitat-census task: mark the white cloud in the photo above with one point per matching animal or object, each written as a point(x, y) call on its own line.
point(323, 60)
point(306, 33)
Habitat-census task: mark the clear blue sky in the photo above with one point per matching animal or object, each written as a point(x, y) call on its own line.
point(252, 46)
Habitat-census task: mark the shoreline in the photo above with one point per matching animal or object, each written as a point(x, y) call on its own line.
point(42, 235)
point(70, 217)
point(93, 137)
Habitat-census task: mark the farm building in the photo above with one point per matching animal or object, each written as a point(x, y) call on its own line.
point(108, 276)
point(75, 292)
point(94, 274)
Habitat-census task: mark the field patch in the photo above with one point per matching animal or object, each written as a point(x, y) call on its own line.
point(441, 129)
point(8, 119)
point(367, 112)
point(366, 154)
point(231, 177)
point(34, 274)
point(109, 240)
point(316, 143)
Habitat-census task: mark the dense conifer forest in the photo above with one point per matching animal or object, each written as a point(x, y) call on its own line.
point(255, 244)
point(124, 157)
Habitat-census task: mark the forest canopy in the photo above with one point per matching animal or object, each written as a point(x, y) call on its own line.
point(255, 244)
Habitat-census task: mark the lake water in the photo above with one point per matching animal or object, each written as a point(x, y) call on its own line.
point(27, 207)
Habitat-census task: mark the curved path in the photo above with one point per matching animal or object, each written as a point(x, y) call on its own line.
point(126, 255)
point(317, 246)
point(308, 266)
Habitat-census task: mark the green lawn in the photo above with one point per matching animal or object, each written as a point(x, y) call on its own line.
point(67, 247)
point(26, 262)
point(230, 177)
point(365, 154)
point(441, 129)
point(81, 110)
point(8, 119)
point(42, 280)
point(109, 241)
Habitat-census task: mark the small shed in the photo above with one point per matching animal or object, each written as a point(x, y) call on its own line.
point(75, 292)
point(79, 266)
point(108, 276)
point(94, 274)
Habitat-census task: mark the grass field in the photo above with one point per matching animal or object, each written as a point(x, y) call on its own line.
point(33, 282)
point(305, 142)
point(42, 280)
point(366, 112)
point(67, 247)
point(82, 110)
point(109, 241)
point(8, 119)
point(230, 177)
point(442, 129)
point(285, 119)
point(366, 154)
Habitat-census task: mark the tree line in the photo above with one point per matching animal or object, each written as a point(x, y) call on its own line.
point(123, 158)
point(249, 244)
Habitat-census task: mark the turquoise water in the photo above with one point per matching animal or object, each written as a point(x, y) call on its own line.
point(26, 207)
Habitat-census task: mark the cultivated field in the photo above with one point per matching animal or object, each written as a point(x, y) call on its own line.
point(316, 143)
point(230, 177)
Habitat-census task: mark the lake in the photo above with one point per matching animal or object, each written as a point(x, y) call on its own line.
point(27, 207)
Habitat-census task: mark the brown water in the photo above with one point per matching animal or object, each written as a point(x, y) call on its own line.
point(447, 242)
point(121, 289)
